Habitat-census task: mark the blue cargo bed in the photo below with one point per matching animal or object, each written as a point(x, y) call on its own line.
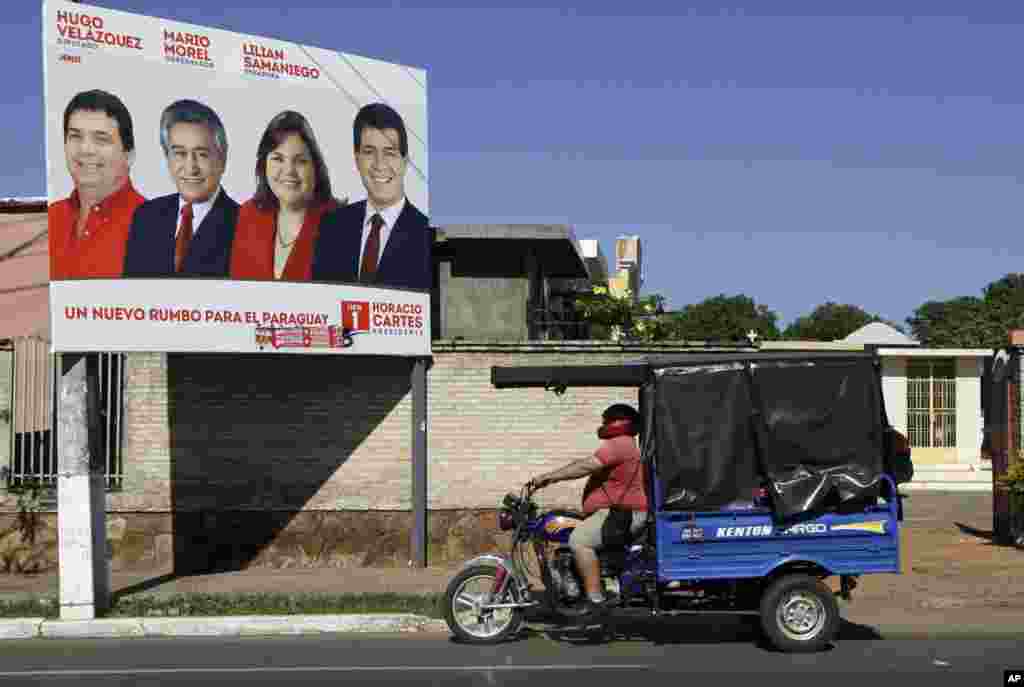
point(742, 544)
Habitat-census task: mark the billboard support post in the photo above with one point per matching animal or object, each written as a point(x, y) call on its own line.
point(419, 463)
point(84, 573)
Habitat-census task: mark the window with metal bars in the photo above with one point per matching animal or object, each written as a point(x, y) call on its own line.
point(33, 404)
point(931, 403)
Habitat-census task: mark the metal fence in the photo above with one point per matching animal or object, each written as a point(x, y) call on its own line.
point(931, 404)
point(550, 324)
point(34, 388)
point(33, 454)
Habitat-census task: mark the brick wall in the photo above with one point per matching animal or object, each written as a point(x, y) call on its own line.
point(233, 461)
point(292, 433)
point(265, 433)
point(484, 442)
point(146, 457)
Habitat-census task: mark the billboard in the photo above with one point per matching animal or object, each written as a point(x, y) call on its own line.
point(213, 191)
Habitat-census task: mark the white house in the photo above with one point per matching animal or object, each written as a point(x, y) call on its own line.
point(933, 396)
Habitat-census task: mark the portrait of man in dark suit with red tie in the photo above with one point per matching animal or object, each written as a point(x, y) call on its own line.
point(188, 233)
point(384, 240)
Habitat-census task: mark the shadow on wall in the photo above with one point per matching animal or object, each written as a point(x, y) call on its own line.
point(254, 438)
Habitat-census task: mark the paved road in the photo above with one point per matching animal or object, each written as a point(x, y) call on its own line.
point(538, 659)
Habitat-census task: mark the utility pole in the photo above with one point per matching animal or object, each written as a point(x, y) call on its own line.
point(84, 572)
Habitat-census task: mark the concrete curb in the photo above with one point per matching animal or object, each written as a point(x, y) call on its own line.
point(229, 626)
point(21, 628)
point(891, 625)
point(99, 628)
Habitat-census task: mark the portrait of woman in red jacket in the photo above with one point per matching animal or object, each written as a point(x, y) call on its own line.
point(277, 228)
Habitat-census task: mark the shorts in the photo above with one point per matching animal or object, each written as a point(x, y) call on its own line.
point(589, 533)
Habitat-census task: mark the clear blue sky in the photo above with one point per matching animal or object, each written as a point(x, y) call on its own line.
point(862, 152)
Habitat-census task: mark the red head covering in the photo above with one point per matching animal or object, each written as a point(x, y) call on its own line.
point(616, 428)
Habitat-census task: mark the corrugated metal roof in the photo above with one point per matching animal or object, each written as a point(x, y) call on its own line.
point(879, 333)
point(22, 202)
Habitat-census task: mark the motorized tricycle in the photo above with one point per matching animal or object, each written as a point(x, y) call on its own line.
point(768, 473)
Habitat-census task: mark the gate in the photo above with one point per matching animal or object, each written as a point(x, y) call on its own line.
point(1003, 438)
point(33, 402)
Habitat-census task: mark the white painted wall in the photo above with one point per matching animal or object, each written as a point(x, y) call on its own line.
point(894, 390)
point(969, 418)
point(969, 421)
point(969, 473)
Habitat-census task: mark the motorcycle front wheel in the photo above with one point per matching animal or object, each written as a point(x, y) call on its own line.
point(466, 593)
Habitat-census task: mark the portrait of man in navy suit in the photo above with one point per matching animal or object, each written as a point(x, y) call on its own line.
point(188, 233)
point(384, 240)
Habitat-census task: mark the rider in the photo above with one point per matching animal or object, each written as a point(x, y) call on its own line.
point(616, 479)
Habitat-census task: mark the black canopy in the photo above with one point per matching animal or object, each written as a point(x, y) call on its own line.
point(808, 424)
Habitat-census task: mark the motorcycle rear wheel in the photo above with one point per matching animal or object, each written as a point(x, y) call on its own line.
point(799, 614)
point(470, 589)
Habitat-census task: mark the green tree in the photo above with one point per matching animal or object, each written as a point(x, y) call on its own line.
point(616, 317)
point(1004, 308)
point(957, 323)
point(724, 318)
point(969, 321)
point(829, 322)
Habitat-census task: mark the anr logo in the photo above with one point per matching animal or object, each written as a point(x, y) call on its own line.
point(355, 316)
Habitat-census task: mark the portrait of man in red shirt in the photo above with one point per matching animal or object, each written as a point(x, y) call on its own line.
point(89, 229)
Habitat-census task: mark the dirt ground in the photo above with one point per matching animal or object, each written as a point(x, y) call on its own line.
point(950, 569)
point(948, 566)
point(952, 573)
